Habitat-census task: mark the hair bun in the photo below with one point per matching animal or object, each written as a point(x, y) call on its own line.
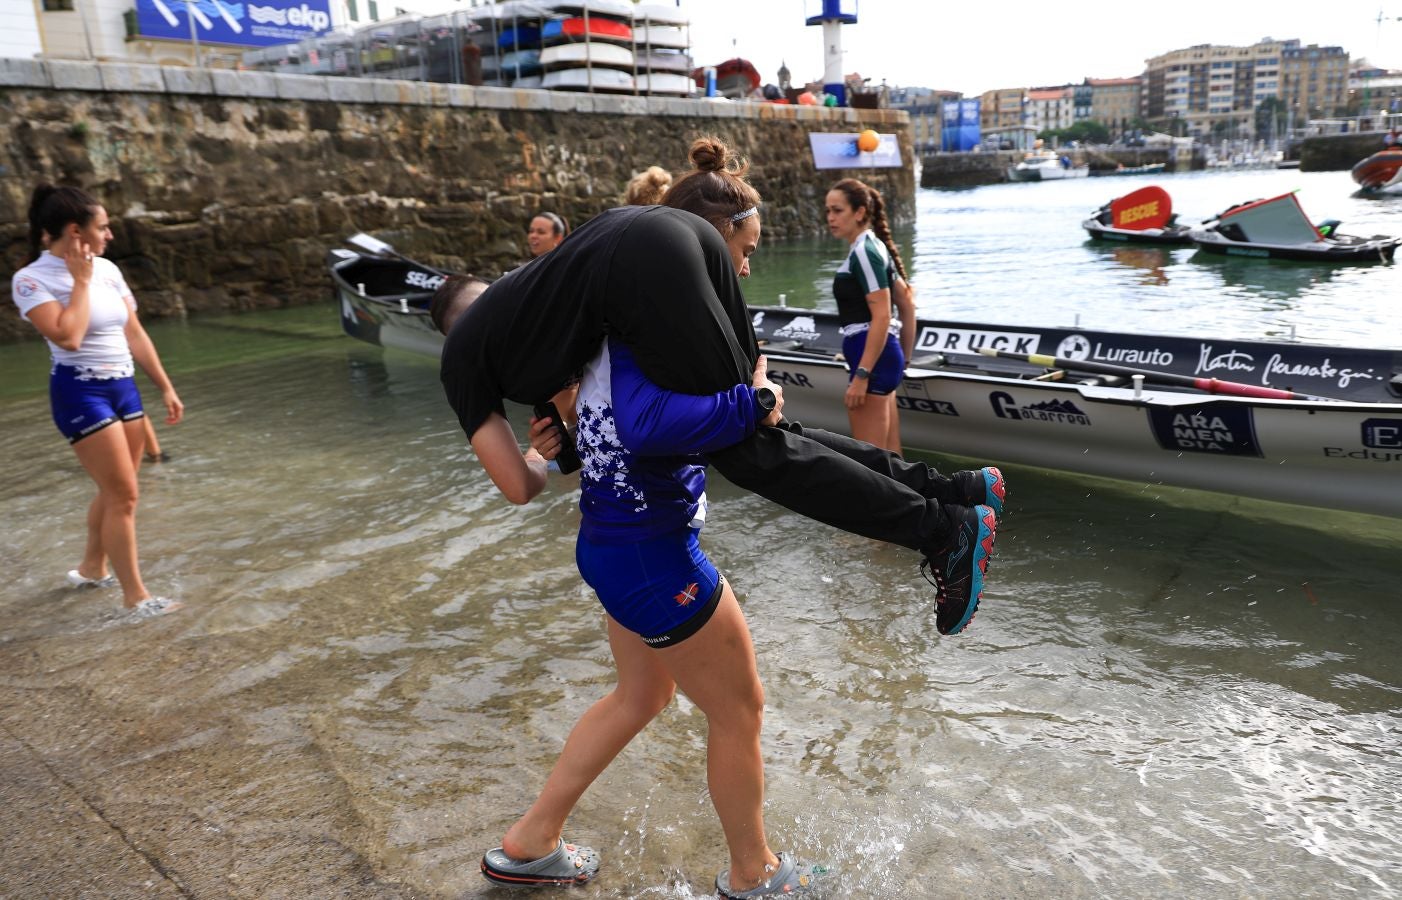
point(709, 154)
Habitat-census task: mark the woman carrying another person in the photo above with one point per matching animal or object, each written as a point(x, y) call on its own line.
point(866, 285)
point(544, 233)
point(673, 620)
point(662, 284)
point(82, 306)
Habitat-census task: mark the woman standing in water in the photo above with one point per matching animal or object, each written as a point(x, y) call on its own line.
point(866, 285)
point(82, 306)
point(673, 620)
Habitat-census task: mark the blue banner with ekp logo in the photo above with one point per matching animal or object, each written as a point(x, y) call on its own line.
point(240, 22)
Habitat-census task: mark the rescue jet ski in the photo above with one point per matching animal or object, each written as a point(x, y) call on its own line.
point(1144, 216)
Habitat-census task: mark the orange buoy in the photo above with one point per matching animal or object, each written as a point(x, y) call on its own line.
point(868, 141)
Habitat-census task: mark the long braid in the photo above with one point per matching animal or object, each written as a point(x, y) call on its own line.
point(882, 229)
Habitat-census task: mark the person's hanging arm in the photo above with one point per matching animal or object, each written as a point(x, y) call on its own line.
point(903, 295)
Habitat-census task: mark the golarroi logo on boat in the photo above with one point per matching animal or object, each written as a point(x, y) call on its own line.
point(800, 328)
point(1062, 412)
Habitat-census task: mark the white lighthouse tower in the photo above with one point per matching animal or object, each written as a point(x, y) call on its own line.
point(832, 18)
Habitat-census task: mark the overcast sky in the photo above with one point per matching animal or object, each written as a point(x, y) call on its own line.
point(975, 45)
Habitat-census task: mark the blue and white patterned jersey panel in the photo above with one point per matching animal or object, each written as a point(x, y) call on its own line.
point(604, 458)
point(642, 475)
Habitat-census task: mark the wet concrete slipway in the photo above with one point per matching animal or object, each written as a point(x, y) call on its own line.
point(1166, 692)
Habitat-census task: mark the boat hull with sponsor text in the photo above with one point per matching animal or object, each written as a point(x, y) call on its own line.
point(1344, 453)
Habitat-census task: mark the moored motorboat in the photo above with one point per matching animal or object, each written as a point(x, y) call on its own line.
point(1046, 165)
point(1144, 216)
point(1380, 172)
point(1343, 453)
point(1277, 228)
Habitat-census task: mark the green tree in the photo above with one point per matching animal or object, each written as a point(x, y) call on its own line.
point(1270, 117)
point(1087, 131)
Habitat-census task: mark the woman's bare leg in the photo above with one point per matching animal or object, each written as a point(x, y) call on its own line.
point(893, 426)
point(869, 421)
point(94, 564)
point(152, 443)
point(644, 689)
point(716, 668)
point(110, 457)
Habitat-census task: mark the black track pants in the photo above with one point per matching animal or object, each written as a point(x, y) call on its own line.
point(675, 301)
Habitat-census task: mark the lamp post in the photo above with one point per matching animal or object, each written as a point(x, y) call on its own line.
point(194, 35)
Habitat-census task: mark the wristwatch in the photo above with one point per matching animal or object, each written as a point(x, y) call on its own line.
point(766, 401)
point(862, 372)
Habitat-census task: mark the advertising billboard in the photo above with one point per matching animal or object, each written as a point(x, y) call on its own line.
point(840, 151)
point(245, 24)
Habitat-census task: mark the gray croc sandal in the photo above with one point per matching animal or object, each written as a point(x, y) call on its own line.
point(154, 606)
point(789, 879)
point(567, 865)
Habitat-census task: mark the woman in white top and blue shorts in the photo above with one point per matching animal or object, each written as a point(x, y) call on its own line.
point(82, 306)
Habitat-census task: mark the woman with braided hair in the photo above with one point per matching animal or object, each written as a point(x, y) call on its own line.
point(870, 281)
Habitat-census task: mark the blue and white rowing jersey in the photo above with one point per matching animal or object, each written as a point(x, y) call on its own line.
point(103, 351)
point(643, 473)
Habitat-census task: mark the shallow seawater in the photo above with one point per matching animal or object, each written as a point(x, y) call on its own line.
point(1165, 692)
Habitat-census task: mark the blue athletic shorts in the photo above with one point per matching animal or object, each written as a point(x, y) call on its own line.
point(662, 589)
point(886, 375)
point(83, 407)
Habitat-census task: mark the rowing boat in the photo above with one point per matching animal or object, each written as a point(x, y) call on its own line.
point(1343, 452)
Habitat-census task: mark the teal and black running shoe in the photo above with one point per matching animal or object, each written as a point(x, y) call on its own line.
point(957, 571)
point(981, 487)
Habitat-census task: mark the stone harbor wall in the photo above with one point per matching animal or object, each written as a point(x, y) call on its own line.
point(1335, 152)
point(961, 170)
point(227, 188)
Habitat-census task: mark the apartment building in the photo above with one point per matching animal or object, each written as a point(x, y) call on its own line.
point(1051, 109)
point(1314, 80)
point(1207, 89)
point(926, 110)
point(1001, 108)
point(1114, 102)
